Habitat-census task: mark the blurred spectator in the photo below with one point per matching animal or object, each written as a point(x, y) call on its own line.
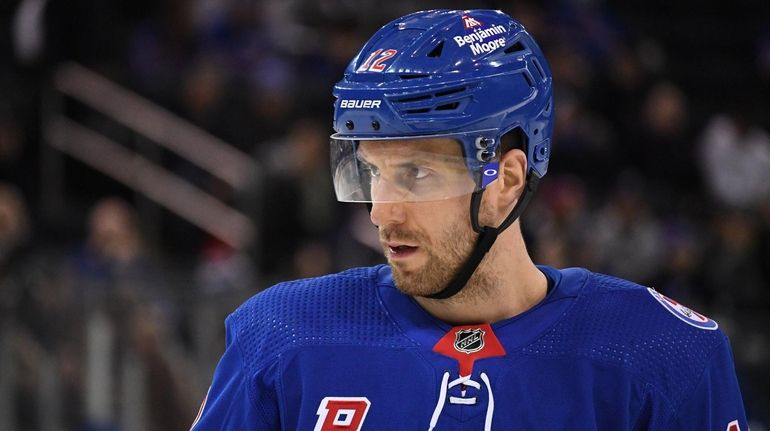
point(628, 235)
point(560, 221)
point(160, 49)
point(14, 236)
point(12, 141)
point(241, 38)
point(312, 259)
point(659, 146)
point(586, 143)
point(588, 25)
point(114, 259)
point(735, 159)
point(732, 272)
point(129, 318)
point(40, 319)
point(222, 270)
point(664, 111)
point(237, 35)
point(169, 402)
point(299, 194)
point(14, 225)
point(620, 86)
point(203, 92)
point(224, 278)
point(680, 273)
point(15, 341)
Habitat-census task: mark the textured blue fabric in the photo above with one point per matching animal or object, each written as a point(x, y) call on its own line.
point(620, 326)
point(597, 353)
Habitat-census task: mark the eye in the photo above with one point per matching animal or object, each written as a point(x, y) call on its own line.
point(419, 172)
point(408, 174)
point(369, 169)
point(374, 171)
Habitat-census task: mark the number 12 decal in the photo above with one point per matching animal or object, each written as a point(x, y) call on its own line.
point(377, 65)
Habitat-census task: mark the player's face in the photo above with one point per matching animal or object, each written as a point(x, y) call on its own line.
point(425, 242)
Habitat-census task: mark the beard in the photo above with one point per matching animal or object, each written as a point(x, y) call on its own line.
point(444, 257)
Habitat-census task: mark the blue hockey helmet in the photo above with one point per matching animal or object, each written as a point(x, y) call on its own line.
point(471, 75)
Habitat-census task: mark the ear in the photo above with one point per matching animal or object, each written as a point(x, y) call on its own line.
point(502, 194)
point(512, 177)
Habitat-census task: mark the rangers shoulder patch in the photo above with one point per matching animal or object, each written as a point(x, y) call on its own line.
point(684, 314)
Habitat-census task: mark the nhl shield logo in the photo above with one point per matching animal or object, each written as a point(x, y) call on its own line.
point(469, 340)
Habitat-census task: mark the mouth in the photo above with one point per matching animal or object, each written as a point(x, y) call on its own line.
point(400, 251)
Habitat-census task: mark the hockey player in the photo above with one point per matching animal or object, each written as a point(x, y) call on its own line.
point(443, 124)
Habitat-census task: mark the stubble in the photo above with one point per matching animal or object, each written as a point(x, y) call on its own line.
point(445, 256)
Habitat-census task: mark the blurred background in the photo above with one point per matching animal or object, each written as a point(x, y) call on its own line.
point(162, 161)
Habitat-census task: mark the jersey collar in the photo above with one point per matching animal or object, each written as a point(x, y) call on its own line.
point(514, 333)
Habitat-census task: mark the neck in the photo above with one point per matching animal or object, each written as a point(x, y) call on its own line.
point(506, 284)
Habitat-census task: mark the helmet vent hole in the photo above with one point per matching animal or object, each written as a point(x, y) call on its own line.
point(527, 78)
point(450, 91)
point(414, 99)
point(448, 106)
point(514, 138)
point(539, 69)
point(413, 76)
point(418, 111)
point(516, 47)
point(536, 131)
point(436, 52)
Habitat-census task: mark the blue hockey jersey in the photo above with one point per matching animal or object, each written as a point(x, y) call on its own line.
point(350, 352)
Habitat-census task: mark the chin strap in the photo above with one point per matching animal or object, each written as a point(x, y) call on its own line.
point(487, 237)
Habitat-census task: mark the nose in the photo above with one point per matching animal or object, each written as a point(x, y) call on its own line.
point(387, 206)
point(387, 213)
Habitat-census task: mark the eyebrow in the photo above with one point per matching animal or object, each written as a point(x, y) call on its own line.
point(415, 158)
point(400, 164)
point(360, 157)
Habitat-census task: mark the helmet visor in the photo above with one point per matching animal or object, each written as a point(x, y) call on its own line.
point(402, 170)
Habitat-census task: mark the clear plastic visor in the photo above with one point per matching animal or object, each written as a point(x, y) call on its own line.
point(402, 170)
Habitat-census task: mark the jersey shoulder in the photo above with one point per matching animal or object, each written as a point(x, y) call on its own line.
point(624, 324)
point(341, 308)
point(644, 307)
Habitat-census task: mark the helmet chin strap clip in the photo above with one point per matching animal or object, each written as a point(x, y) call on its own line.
point(487, 237)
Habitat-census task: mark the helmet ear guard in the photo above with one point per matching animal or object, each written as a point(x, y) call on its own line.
point(476, 76)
